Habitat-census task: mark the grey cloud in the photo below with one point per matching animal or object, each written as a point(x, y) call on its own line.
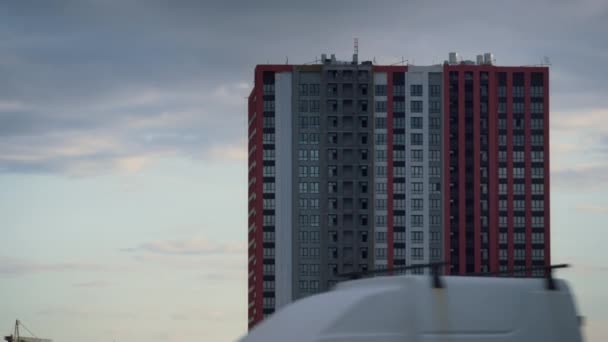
point(192, 246)
point(17, 267)
point(92, 284)
point(129, 70)
point(583, 177)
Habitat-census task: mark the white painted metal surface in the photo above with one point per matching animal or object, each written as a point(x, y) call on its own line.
point(408, 308)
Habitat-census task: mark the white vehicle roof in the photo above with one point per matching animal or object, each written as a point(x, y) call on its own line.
point(409, 308)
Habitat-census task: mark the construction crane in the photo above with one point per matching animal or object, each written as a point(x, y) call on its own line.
point(16, 336)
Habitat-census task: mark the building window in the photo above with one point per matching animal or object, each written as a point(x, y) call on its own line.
point(380, 236)
point(416, 139)
point(435, 236)
point(268, 88)
point(268, 188)
point(380, 123)
point(399, 155)
point(502, 188)
point(399, 139)
point(268, 138)
point(417, 220)
point(399, 106)
point(268, 203)
point(435, 107)
point(416, 171)
point(380, 139)
point(435, 219)
point(417, 188)
point(434, 90)
point(417, 237)
point(416, 106)
point(399, 122)
point(435, 123)
point(417, 254)
point(399, 236)
point(269, 106)
point(380, 90)
point(380, 204)
point(502, 172)
point(417, 204)
point(268, 155)
point(380, 187)
point(537, 156)
point(268, 220)
point(399, 220)
point(381, 171)
point(314, 187)
point(416, 155)
point(415, 122)
point(269, 171)
point(434, 187)
point(381, 106)
point(381, 220)
point(435, 203)
point(538, 189)
point(399, 204)
point(434, 139)
point(434, 155)
point(416, 90)
point(502, 156)
point(303, 187)
point(381, 155)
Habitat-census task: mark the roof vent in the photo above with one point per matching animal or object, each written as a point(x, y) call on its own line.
point(488, 58)
point(453, 58)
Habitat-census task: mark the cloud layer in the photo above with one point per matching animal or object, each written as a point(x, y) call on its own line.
point(95, 86)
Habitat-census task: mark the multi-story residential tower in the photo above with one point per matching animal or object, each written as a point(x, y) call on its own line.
point(497, 156)
point(355, 166)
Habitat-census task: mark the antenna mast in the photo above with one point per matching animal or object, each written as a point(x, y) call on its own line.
point(356, 51)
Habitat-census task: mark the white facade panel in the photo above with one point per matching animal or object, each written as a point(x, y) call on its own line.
point(283, 194)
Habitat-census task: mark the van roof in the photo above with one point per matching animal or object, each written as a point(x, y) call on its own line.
point(408, 308)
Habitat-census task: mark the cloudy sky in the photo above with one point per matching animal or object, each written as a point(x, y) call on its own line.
point(122, 146)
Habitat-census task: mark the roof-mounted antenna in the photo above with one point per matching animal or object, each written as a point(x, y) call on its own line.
point(356, 51)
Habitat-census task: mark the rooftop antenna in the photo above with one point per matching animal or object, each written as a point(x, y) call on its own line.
point(546, 60)
point(286, 60)
point(356, 51)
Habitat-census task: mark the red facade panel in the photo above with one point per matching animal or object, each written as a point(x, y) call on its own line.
point(493, 163)
point(389, 70)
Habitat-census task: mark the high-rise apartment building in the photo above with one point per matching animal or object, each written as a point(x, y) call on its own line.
point(355, 166)
point(497, 158)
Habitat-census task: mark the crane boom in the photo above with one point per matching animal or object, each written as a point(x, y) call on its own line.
point(16, 336)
